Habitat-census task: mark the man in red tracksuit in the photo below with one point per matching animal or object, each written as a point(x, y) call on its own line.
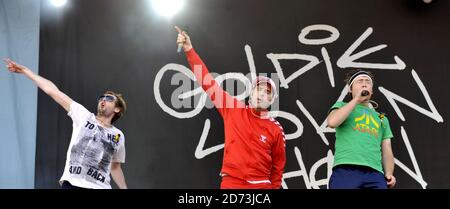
point(254, 153)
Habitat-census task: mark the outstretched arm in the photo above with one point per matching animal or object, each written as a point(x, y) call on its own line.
point(45, 85)
point(221, 99)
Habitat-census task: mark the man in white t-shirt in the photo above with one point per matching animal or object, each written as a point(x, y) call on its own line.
point(97, 148)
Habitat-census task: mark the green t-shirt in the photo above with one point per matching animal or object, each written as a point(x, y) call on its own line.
point(359, 137)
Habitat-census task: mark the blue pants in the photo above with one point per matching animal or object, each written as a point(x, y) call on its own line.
point(356, 177)
point(68, 185)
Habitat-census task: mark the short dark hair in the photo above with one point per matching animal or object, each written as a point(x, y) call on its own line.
point(120, 103)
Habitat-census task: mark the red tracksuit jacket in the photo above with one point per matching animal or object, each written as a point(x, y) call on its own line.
point(254, 147)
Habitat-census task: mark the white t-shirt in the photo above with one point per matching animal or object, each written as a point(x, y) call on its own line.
point(91, 151)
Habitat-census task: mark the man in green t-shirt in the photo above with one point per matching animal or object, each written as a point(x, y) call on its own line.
point(363, 155)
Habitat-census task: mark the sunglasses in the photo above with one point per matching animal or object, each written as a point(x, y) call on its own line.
point(108, 98)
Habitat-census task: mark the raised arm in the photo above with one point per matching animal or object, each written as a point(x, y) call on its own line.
point(45, 85)
point(221, 99)
point(338, 116)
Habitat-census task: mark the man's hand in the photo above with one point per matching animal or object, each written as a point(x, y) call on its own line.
point(360, 98)
point(390, 179)
point(184, 39)
point(47, 86)
point(13, 67)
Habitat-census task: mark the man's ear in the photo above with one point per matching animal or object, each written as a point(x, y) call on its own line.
point(116, 109)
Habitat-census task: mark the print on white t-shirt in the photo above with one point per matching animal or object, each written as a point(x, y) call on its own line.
point(91, 151)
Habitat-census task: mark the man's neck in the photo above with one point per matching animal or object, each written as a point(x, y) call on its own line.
point(259, 112)
point(365, 103)
point(104, 121)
